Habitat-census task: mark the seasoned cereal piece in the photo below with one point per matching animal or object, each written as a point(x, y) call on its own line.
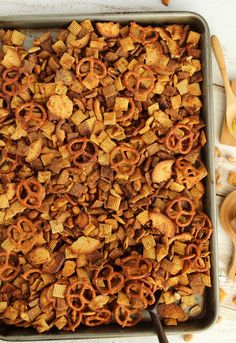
point(108, 30)
point(60, 106)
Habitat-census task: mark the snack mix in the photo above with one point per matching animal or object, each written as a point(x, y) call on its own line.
point(101, 177)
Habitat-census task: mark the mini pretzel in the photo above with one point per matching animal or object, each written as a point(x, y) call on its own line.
point(8, 161)
point(46, 297)
point(11, 85)
point(101, 316)
point(30, 193)
point(135, 266)
point(31, 273)
point(201, 228)
point(6, 104)
point(95, 67)
point(143, 35)
point(73, 320)
point(179, 139)
point(192, 258)
point(79, 294)
point(136, 85)
point(23, 230)
point(110, 280)
point(140, 291)
point(83, 151)
point(9, 266)
point(31, 116)
point(181, 210)
point(126, 115)
point(123, 159)
point(126, 317)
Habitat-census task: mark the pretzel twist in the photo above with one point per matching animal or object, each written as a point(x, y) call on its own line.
point(124, 158)
point(181, 210)
point(93, 67)
point(112, 281)
point(144, 35)
point(74, 319)
point(23, 230)
point(83, 151)
point(135, 267)
point(126, 317)
point(31, 116)
point(126, 115)
point(192, 258)
point(11, 85)
point(9, 266)
point(79, 294)
point(30, 193)
point(140, 291)
point(101, 316)
point(201, 228)
point(179, 139)
point(135, 82)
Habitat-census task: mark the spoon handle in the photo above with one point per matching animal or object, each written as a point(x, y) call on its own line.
point(158, 327)
point(232, 270)
point(216, 46)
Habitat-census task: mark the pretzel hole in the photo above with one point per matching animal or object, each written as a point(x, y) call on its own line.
point(132, 81)
point(14, 233)
point(6, 164)
point(84, 67)
point(82, 159)
point(98, 69)
point(117, 158)
point(12, 74)
point(7, 273)
point(4, 103)
point(203, 234)
point(115, 281)
point(88, 295)
point(76, 146)
point(25, 227)
point(181, 132)
point(197, 164)
point(2, 259)
point(105, 272)
point(131, 156)
point(185, 143)
point(11, 88)
point(125, 168)
point(173, 140)
point(190, 172)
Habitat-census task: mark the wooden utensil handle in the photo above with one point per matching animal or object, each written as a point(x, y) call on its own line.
point(216, 46)
point(232, 270)
point(158, 327)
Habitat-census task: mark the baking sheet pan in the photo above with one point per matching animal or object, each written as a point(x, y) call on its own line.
point(144, 328)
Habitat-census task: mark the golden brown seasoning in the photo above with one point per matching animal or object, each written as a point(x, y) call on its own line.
point(101, 177)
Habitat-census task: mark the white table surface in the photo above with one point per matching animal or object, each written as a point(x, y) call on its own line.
point(220, 15)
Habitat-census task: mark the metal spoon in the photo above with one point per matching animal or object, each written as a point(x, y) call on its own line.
point(230, 97)
point(152, 309)
point(227, 219)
